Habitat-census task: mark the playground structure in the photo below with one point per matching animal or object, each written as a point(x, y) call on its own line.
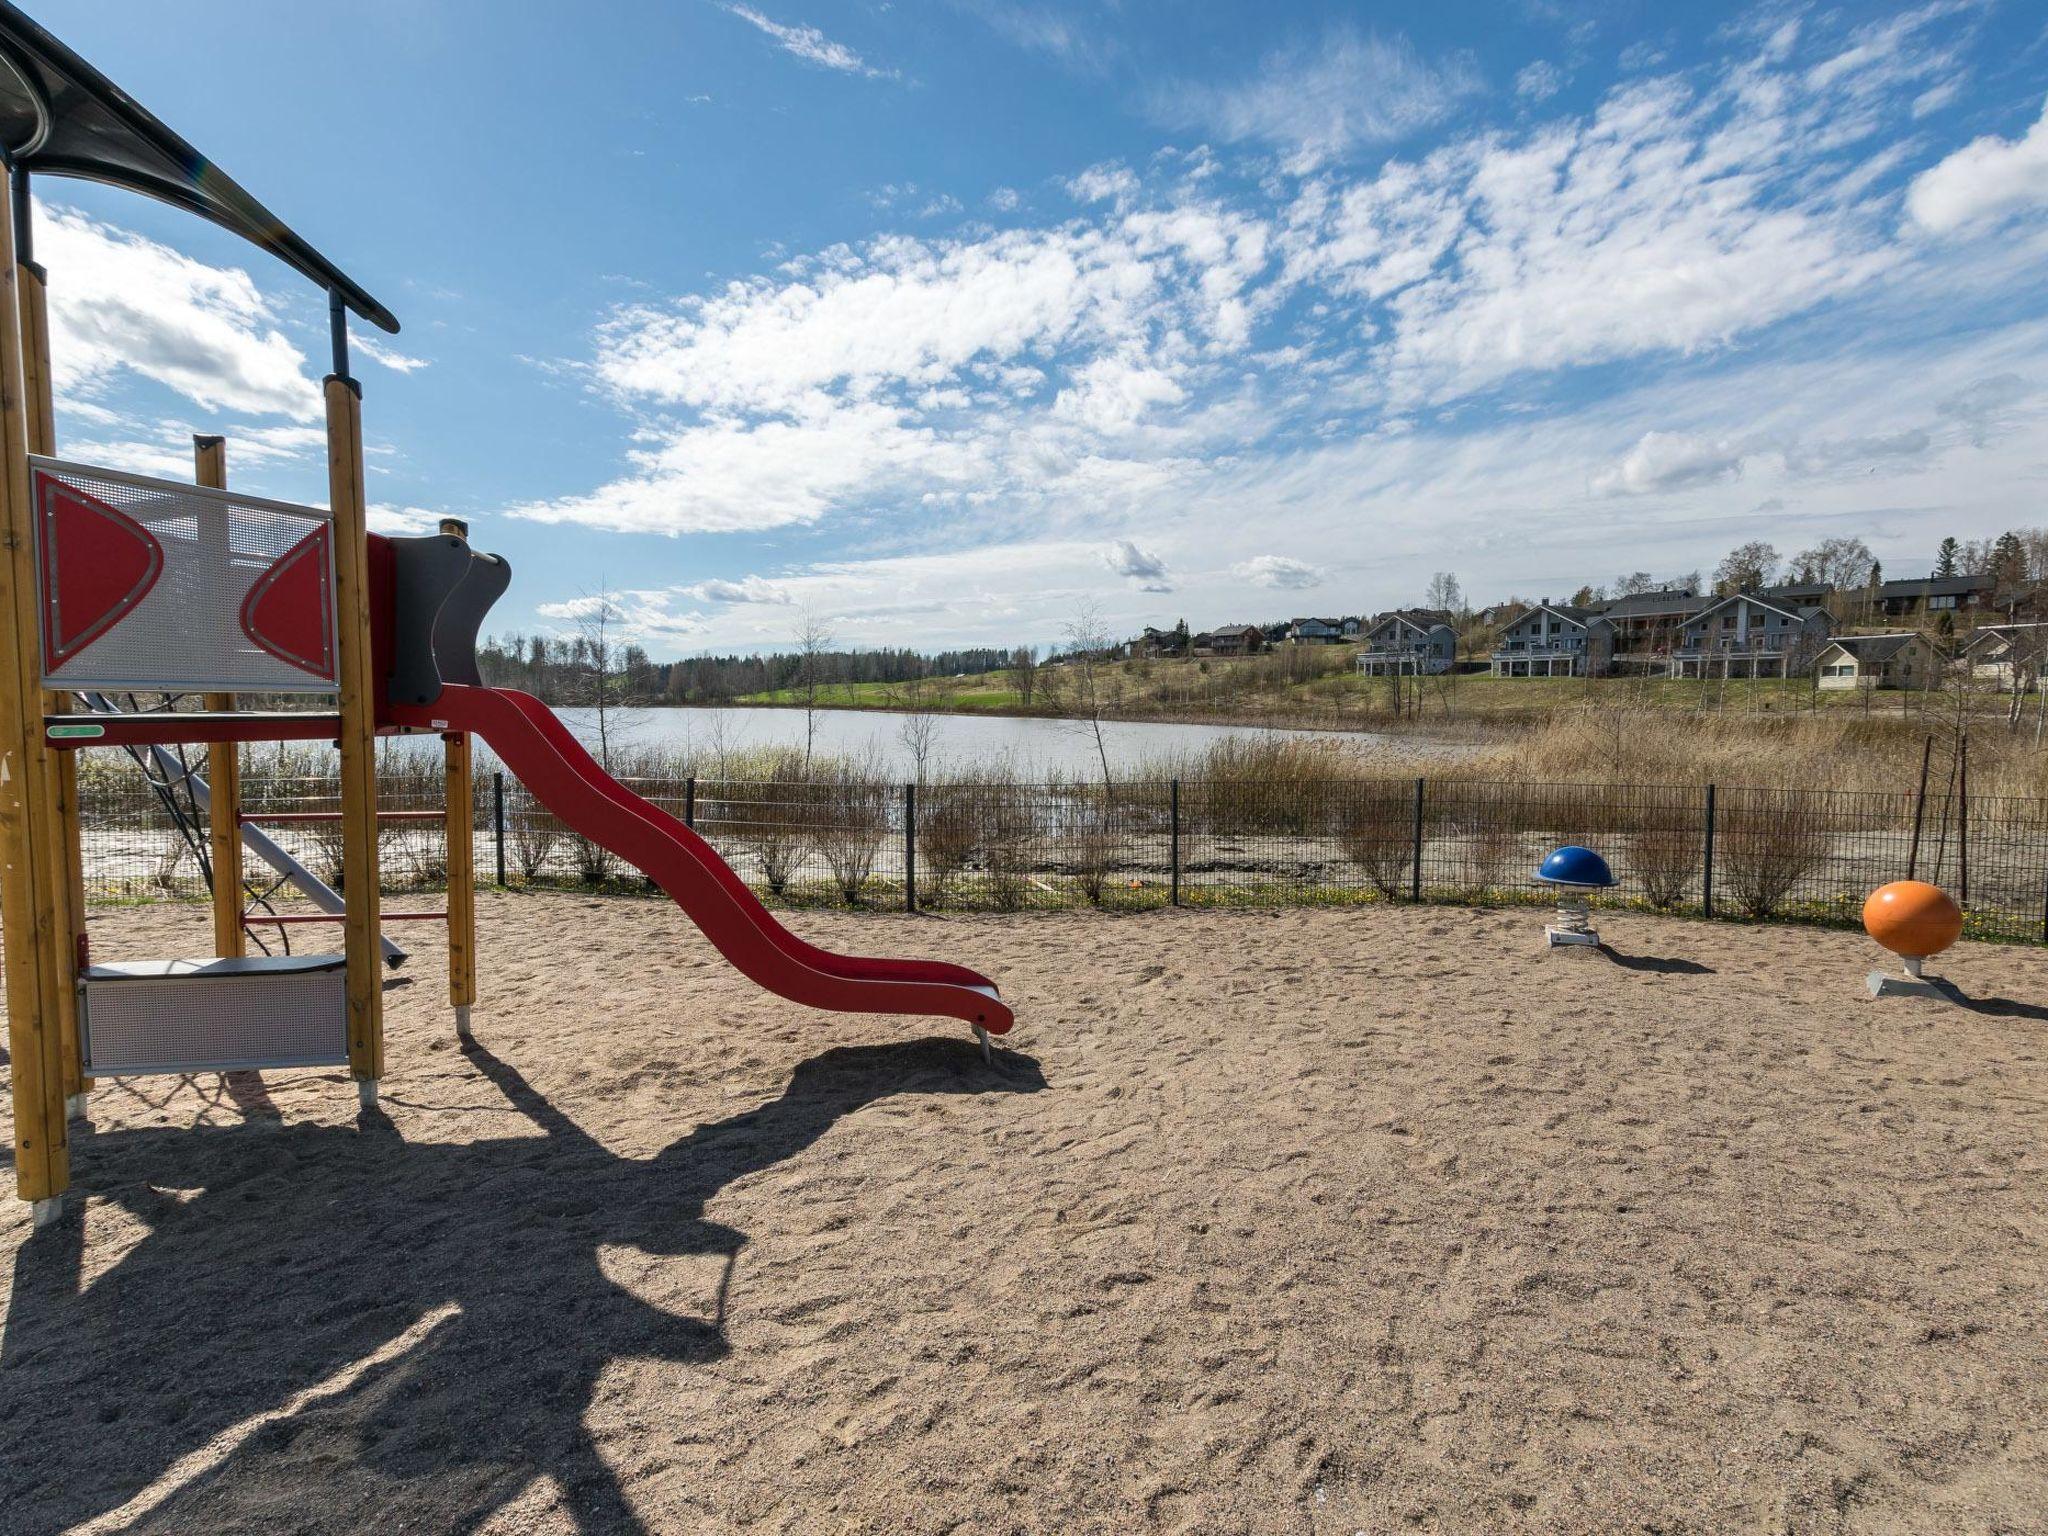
point(115, 583)
point(1575, 873)
point(1915, 921)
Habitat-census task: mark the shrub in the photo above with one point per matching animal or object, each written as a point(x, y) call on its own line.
point(1767, 842)
point(1664, 851)
point(851, 819)
point(1376, 829)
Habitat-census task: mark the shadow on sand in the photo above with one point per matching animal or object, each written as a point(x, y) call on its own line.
point(311, 1248)
point(2001, 1007)
point(1658, 964)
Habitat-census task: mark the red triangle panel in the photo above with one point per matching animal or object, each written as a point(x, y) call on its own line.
point(290, 609)
point(97, 564)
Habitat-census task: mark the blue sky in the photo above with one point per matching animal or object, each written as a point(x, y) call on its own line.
point(937, 319)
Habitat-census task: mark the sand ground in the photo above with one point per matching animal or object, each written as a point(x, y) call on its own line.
point(1375, 1220)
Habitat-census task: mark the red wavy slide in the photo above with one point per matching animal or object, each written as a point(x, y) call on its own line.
point(531, 740)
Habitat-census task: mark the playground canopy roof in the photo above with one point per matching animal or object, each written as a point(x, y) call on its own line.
point(61, 117)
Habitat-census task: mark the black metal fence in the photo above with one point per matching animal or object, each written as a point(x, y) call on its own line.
point(980, 845)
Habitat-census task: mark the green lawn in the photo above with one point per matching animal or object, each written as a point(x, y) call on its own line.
point(1257, 690)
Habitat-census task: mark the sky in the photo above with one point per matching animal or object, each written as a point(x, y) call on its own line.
point(934, 322)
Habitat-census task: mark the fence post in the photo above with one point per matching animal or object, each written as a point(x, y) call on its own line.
point(910, 847)
point(1707, 870)
point(1415, 875)
point(1963, 817)
point(690, 802)
point(498, 819)
point(1919, 810)
point(1173, 822)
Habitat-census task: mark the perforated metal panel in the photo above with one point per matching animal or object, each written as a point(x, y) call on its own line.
point(213, 1015)
point(183, 628)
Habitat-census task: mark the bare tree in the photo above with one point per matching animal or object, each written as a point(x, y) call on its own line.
point(918, 730)
point(1746, 567)
point(600, 664)
point(1088, 645)
point(813, 640)
point(1444, 594)
point(1024, 673)
point(1841, 563)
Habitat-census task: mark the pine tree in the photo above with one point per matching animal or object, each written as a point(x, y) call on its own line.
point(1945, 559)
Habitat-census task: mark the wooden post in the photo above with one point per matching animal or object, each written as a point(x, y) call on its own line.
point(29, 851)
point(1707, 860)
point(60, 792)
point(461, 878)
point(223, 764)
point(358, 733)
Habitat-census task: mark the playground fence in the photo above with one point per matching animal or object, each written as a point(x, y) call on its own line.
point(980, 844)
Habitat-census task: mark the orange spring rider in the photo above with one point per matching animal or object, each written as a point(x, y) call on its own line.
point(1913, 920)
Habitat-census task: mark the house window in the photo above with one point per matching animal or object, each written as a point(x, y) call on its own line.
point(1946, 600)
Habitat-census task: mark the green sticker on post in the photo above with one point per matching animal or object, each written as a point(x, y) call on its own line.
point(76, 732)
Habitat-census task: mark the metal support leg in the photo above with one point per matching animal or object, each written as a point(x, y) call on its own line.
point(47, 1211)
point(366, 1092)
point(462, 1022)
point(77, 1107)
point(987, 1051)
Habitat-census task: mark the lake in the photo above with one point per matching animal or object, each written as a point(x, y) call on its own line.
point(1030, 748)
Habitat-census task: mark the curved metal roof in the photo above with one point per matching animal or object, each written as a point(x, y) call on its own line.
point(61, 117)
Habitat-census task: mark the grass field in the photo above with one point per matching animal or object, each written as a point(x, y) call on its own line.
point(1320, 688)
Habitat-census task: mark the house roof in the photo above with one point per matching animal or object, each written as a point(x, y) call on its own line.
point(1797, 591)
point(1874, 647)
point(1420, 618)
point(1937, 586)
point(1789, 610)
point(1671, 600)
point(1562, 610)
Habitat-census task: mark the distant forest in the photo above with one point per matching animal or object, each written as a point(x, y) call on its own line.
point(576, 669)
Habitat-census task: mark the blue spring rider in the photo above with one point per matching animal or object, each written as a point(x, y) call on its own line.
point(1574, 873)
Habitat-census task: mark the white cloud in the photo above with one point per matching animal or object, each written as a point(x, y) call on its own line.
point(1278, 572)
point(119, 302)
point(1006, 199)
point(403, 521)
point(1539, 80)
point(750, 589)
point(385, 355)
point(810, 45)
point(1985, 179)
point(1139, 566)
point(1669, 461)
point(1324, 101)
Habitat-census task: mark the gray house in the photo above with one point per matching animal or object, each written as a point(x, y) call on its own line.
point(1414, 641)
point(1548, 640)
point(1903, 660)
point(2012, 656)
point(1747, 635)
point(1316, 631)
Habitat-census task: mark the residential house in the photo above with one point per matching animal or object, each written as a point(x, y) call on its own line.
point(1316, 631)
point(1230, 640)
point(1745, 635)
point(1926, 599)
point(1903, 660)
point(1161, 642)
point(2012, 656)
point(1641, 629)
point(1352, 625)
point(1548, 640)
point(1409, 640)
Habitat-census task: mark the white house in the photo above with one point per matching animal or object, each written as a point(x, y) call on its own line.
point(1747, 635)
point(1546, 641)
point(2008, 655)
point(1416, 641)
point(1902, 660)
